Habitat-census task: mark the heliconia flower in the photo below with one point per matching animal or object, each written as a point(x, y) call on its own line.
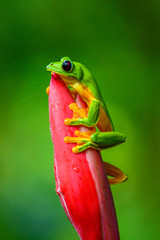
point(81, 180)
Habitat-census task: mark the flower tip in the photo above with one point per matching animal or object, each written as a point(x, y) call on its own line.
point(54, 75)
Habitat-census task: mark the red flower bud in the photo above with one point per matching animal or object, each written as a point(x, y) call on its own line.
point(81, 180)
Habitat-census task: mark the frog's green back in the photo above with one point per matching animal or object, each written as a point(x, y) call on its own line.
point(89, 81)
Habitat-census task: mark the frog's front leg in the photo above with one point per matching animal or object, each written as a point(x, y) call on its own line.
point(97, 140)
point(89, 120)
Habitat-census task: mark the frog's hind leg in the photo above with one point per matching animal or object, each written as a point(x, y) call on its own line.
point(104, 140)
point(96, 140)
point(117, 175)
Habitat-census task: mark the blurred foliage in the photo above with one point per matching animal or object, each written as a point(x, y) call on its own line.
point(119, 41)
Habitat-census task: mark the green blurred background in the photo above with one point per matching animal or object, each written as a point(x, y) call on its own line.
point(119, 41)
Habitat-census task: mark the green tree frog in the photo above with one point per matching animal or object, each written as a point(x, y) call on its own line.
point(102, 135)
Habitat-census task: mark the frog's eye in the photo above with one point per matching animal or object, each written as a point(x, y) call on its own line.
point(67, 66)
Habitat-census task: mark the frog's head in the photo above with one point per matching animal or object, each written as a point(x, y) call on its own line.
point(67, 69)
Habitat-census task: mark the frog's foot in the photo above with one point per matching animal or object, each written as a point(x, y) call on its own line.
point(83, 140)
point(77, 113)
point(47, 90)
point(85, 117)
point(117, 175)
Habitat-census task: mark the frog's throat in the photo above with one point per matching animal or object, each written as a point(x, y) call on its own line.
point(68, 80)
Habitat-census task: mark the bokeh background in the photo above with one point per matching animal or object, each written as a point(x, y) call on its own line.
point(119, 41)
